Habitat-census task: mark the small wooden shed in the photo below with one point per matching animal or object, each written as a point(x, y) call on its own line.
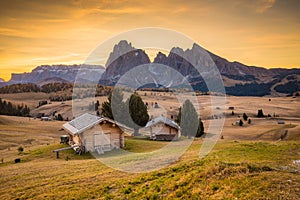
point(95, 134)
point(162, 128)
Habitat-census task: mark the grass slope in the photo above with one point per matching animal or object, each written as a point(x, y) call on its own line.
point(245, 170)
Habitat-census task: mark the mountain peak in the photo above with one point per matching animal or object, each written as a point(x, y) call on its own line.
point(1, 80)
point(177, 50)
point(119, 49)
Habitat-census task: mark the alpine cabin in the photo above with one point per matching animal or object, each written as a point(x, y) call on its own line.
point(91, 133)
point(162, 128)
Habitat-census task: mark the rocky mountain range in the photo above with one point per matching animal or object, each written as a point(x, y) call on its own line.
point(44, 74)
point(196, 67)
point(2, 82)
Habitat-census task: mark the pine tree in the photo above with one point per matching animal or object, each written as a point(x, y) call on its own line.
point(114, 107)
point(59, 117)
point(260, 113)
point(97, 104)
point(138, 113)
point(189, 119)
point(200, 130)
point(245, 117)
point(241, 123)
point(106, 108)
point(119, 110)
point(179, 116)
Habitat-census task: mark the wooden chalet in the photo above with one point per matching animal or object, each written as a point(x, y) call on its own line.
point(162, 128)
point(90, 133)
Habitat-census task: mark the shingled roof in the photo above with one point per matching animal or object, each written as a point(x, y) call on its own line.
point(162, 119)
point(86, 121)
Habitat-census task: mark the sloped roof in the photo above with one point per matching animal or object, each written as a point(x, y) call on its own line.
point(81, 123)
point(86, 121)
point(162, 119)
point(115, 122)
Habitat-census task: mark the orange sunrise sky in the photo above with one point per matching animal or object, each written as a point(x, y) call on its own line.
point(255, 32)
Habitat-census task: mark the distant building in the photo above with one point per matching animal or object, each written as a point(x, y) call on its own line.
point(46, 119)
point(231, 108)
point(280, 122)
point(91, 133)
point(162, 128)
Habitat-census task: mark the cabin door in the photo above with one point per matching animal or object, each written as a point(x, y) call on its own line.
point(102, 142)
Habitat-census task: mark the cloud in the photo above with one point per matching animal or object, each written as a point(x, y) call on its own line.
point(68, 57)
point(38, 32)
point(254, 6)
point(264, 5)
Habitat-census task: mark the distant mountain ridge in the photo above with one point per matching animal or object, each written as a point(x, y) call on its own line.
point(55, 73)
point(239, 79)
point(2, 82)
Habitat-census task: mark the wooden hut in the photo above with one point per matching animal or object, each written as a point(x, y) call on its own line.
point(162, 128)
point(95, 134)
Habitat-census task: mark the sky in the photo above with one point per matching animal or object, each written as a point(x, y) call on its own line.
point(258, 32)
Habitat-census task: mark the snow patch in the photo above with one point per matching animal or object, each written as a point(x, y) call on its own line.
point(241, 73)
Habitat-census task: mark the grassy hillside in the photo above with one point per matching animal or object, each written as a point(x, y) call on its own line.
point(249, 163)
point(246, 170)
point(26, 132)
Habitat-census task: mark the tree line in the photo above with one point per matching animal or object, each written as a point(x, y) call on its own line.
point(30, 87)
point(54, 87)
point(7, 108)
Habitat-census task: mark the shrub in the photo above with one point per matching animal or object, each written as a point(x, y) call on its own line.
point(41, 103)
point(60, 118)
point(215, 187)
point(249, 121)
point(20, 149)
point(260, 113)
point(128, 190)
point(245, 117)
point(200, 130)
point(241, 123)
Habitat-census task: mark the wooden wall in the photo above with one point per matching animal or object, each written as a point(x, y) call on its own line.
point(161, 128)
point(106, 132)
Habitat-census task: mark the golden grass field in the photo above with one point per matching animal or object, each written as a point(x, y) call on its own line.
point(249, 163)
